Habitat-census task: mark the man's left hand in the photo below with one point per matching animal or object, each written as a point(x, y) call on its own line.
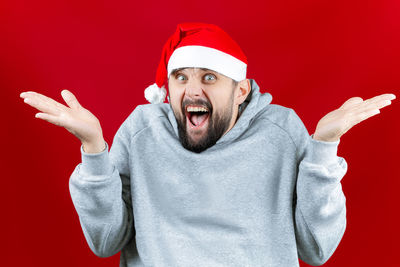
point(334, 124)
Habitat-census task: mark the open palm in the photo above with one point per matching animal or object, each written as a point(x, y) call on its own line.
point(333, 125)
point(75, 118)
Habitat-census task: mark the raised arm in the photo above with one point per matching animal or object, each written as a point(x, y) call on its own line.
point(100, 191)
point(74, 118)
point(100, 185)
point(320, 210)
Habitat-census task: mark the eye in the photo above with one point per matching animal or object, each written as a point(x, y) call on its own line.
point(179, 75)
point(209, 75)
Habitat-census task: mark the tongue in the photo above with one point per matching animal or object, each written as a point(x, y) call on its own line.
point(197, 119)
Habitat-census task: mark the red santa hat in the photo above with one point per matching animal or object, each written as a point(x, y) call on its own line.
point(197, 45)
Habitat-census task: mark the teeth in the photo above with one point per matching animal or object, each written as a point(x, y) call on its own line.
point(196, 109)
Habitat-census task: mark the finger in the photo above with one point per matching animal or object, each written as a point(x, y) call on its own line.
point(70, 99)
point(40, 105)
point(357, 101)
point(31, 94)
point(351, 102)
point(379, 98)
point(50, 118)
point(372, 105)
point(50, 105)
point(363, 116)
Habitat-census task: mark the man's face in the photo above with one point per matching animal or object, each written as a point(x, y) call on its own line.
point(203, 104)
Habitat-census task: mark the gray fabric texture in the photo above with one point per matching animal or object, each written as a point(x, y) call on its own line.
point(266, 194)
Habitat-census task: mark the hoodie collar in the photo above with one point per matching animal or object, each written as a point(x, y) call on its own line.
point(253, 104)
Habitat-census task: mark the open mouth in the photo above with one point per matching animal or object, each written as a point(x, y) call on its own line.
point(197, 116)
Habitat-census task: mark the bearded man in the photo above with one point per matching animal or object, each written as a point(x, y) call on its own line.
point(218, 176)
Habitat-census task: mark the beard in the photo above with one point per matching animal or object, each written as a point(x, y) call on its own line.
point(218, 123)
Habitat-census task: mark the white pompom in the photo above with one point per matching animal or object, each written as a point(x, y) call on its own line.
point(155, 94)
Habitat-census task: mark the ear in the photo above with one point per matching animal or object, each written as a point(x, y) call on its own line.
point(243, 91)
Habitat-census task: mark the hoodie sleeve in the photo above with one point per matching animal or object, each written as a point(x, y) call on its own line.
point(100, 192)
point(320, 204)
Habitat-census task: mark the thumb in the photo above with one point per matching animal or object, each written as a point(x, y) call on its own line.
point(70, 99)
point(351, 102)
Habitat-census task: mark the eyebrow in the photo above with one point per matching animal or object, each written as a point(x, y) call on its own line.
point(179, 69)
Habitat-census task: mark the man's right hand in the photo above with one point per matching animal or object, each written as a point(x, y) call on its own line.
point(75, 118)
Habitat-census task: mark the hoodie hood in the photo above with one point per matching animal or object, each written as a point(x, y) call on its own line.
point(254, 103)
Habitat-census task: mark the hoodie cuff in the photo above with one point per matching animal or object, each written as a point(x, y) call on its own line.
point(96, 163)
point(322, 152)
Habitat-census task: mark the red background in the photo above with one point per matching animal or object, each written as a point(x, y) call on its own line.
point(310, 55)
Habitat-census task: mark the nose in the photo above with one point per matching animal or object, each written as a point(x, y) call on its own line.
point(194, 89)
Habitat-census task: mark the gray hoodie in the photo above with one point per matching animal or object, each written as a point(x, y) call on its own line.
point(266, 194)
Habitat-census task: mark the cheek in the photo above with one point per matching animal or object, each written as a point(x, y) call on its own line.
point(175, 96)
point(223, 109)
point(176, 102)
point(219, 102)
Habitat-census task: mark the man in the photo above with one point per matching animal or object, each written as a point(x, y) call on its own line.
point(217, 177)
point(215, 111)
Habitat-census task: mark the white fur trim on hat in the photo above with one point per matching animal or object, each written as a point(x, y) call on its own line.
point(210, 58)
point(155, 94)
